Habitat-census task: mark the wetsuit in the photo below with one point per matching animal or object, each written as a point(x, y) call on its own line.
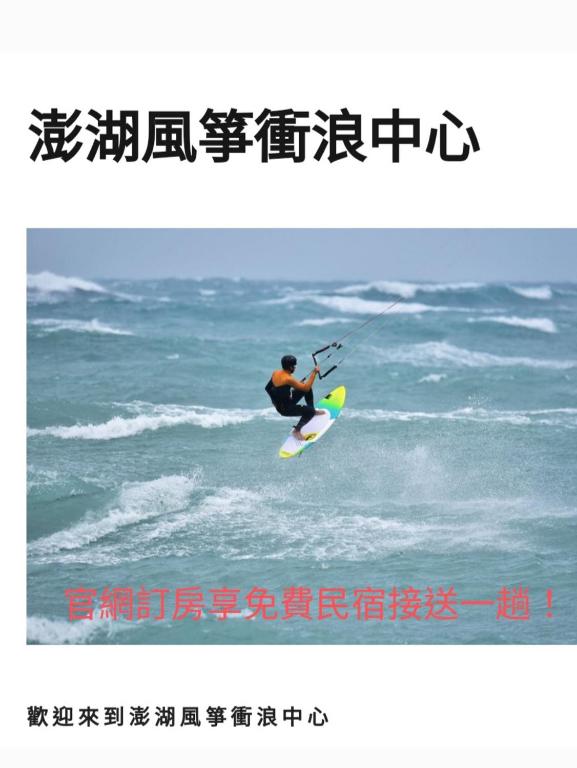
point(285, 394)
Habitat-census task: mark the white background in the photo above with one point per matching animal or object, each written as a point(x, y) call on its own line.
point(506, 69)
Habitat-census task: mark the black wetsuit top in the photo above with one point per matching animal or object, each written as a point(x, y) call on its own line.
point(280, 396)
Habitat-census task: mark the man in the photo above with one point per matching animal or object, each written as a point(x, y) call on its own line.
point(285, 391)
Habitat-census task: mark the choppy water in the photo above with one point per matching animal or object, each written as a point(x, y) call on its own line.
point(153, 462)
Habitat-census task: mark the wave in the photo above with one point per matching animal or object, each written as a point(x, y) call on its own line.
point(555, 417)
point(48, 282)
point(353, 304)
point(78, 326)
point(155, 417)
point(41, 629)
point(240, 524)
point(541, 293)
point(438, 353)
point(432, 378)
point(44, 285)
point(407, 290)
point(357, 306)
point(197, 526)
point(36, 477)
point(136, 502)
point(424, 511)
point(319, 321)
point(543, 324)
point(292, 297)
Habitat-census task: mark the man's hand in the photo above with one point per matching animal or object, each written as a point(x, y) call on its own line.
point(317, 369)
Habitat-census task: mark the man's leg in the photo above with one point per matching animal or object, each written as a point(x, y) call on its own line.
point(308, 396)
point(307, 412)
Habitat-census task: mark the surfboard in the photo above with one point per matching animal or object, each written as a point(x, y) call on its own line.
point(332, 404)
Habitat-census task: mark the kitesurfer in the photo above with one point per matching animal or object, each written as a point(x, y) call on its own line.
point(285, 392)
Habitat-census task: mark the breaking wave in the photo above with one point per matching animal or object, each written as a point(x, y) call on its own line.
point(320, 321)
point(565, 417)
point(433, 378)
point(292, 297)
point(44, 286)
point(136, 502)
point(48, 282)
point(357, 306)
point(441, 353)
point(353, 304)
point(154, 417)
point(541, 293)
point(407, 290)
point(244, 523)
point(543, 324)
point(41, 629)
point(238, 524)
point(78, 326)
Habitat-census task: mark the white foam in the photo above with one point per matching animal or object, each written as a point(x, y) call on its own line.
point(48, 282)
point(136, 502)
point(353, 535)
point(218, 522)
point(173, 357)
point(155, 417)
point(229, 499)
point(543, 324)
point(433, 378)
point(44, 285)
point(40, 629)
point(357, 306)
point(78, 326)
point(37, 477)
point(244, 613)
point(406, 290)
point(417, 506)
point(548, 417)
point(291, 297)
point(319, 321)
point(353, 304)
point(441, 353)
point(542, 292)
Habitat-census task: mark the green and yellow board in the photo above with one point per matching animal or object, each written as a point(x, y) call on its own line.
point(332, 404)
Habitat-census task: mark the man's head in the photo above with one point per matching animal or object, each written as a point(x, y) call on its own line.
point(289, 363)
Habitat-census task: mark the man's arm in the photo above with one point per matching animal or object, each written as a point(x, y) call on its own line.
point(303, 386)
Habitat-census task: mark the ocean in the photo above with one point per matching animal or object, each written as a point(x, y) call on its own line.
point(440, 508)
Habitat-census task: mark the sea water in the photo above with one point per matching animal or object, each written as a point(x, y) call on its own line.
point(153, 457)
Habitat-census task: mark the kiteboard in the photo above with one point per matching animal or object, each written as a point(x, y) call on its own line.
point(332, 404)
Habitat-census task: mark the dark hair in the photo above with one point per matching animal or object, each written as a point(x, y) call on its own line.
point(288, 361)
